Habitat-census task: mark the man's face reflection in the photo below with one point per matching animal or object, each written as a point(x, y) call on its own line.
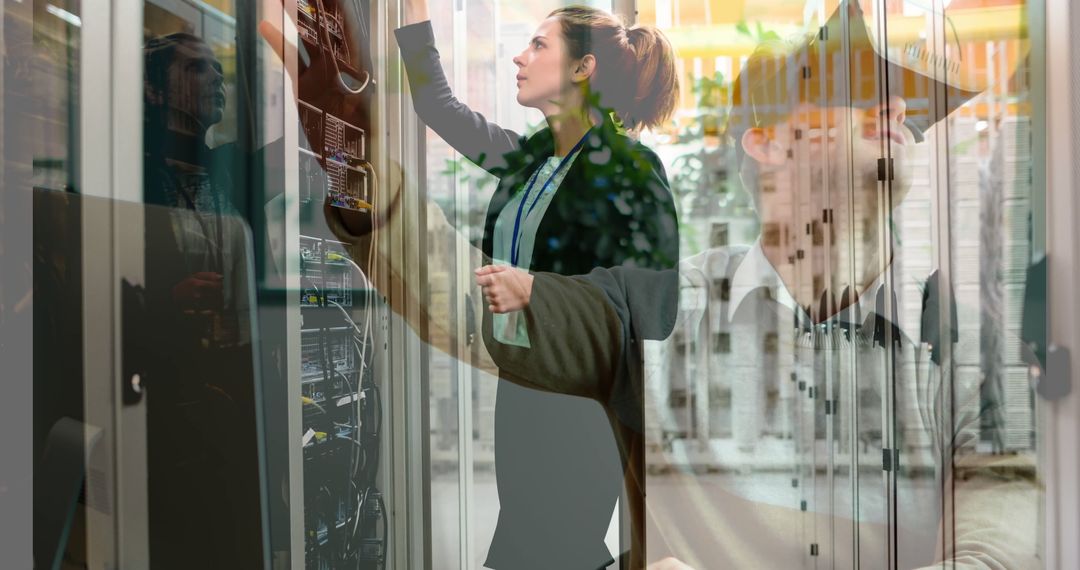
point(828, 158)
point(196, 84)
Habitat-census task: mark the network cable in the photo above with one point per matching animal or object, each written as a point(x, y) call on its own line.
point(333, 57)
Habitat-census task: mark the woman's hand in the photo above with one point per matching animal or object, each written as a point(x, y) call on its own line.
point(416, 11)
point(506, 289)
point(202, 290)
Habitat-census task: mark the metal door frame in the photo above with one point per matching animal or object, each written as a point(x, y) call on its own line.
point(1056, 60)
point(110, 147)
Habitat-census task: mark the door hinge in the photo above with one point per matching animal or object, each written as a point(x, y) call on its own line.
point(885, 170)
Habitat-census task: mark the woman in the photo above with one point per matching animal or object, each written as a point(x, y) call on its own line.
point(202, 461)
point(578, 195)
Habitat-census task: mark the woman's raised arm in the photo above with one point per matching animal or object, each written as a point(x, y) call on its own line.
point(470, 133)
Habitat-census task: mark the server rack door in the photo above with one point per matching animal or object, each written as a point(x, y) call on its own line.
point(88, 469)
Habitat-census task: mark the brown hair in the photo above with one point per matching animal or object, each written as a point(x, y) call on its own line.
point(641, 56)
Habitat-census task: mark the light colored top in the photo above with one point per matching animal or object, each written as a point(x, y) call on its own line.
point(509, 328)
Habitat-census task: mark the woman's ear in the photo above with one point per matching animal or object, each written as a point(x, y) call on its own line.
point(758, 145)
point(583, 69)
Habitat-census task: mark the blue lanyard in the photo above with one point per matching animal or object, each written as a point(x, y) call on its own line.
point(514, 245)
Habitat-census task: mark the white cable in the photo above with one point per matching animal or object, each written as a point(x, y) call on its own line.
point(333, 56)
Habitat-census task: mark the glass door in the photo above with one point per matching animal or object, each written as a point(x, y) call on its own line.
point(972, 226)
point(862, 226)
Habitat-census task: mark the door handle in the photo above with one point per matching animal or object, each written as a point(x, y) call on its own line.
point(134, 350)
point(1051, 364)
point(1055, 381)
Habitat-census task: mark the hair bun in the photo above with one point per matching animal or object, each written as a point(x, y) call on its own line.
point(636, 73)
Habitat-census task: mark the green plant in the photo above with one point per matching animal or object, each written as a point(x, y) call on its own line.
point(759, 34)
point(468, 173)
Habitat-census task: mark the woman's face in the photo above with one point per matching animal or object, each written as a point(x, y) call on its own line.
point(196, 83)
point(543, 77)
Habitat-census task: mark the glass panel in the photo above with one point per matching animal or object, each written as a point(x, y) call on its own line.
point(43, 293)
point(206, 491)
point(447, 407)
point(978, 197)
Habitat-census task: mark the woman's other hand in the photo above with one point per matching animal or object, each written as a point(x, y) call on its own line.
point(416, 11)
point(202, 290)
point(506, 289)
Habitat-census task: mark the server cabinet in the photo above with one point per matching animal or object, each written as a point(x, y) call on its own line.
point(332, 425)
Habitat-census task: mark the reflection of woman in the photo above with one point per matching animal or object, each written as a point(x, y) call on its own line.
point(577, 195)
point(185, 96)
point(202, 461)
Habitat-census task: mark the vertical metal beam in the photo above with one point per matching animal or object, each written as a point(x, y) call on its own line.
point(400, 368)
point(126, 128)
point(621, 517)
point(293, 318)
point(99, 310)
point(1060, 453)
point(462, 281)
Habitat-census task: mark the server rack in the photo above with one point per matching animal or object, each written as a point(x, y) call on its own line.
point(336, 322)
point(335, 426)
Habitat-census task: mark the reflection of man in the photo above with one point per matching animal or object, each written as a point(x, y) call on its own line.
point(844, 433)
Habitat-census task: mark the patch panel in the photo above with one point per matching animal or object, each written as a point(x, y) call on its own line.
point(343, 142)
point(307, 21)
point(321, 346)
point(337, 287)
point(347, 186)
